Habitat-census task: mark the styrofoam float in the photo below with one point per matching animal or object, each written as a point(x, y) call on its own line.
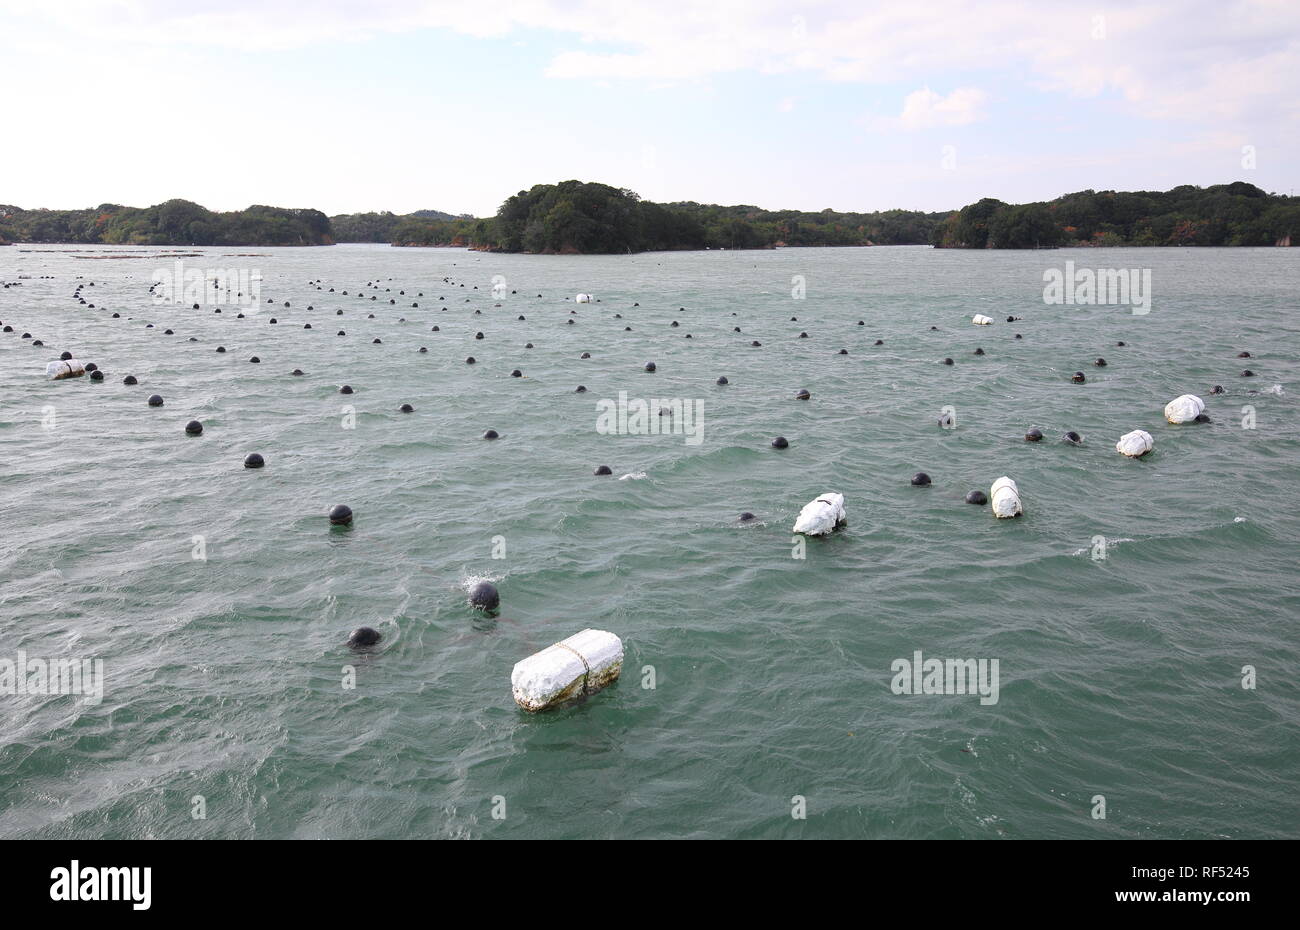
point(1135, 444)
point(583, 299)
point(69, 369)
point(582, 664)
point(1004, 497)
point(1184, 409)
point(980, 319)
point(822, 515)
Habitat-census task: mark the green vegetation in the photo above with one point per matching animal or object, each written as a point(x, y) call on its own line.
point(1224, 214)
point(574, 217)
point(176, 222)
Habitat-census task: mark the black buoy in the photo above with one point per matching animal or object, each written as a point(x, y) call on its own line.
point(650, 366)
point(1100, 363)
point(469, 360)
point(130, 379)
point(406, 408)
point(484, 596)
point(581, 389)
point(1248, 373)
point(254, 460)
point(516, 373)
point(363, 636)
point(602, 470)
point(976, 497)
point(780, 442)
point(491, 434)
point(947, 361)
point(979, 351)
point(746, 517)
point(723, 380)
point(802, 394)
point(1034, 435)
point(194, 428)
point(345, 389)
point(155, 400)
point(921, 480)
point(1078, 377)
point(340, 515)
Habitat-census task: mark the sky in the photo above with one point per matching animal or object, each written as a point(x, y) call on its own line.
point(843, 104)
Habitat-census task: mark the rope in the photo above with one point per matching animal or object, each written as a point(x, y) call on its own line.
point(586, 669)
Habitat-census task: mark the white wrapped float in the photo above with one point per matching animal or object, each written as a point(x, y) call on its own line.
point(821, 516)
point(582, 664)
point(1184, 409)
point(1004, 497)
point(583, 299)
point(980, 319)
point(69, 369)
point(1135, 444)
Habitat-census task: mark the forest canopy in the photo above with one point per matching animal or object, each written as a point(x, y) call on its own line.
point(575, 217)
point(176, 222)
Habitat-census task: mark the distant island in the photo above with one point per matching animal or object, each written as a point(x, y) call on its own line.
point(580, 218)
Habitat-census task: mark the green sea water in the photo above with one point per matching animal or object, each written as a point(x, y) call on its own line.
point(756, 697)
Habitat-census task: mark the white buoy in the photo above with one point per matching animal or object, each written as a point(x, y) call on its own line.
point(583, 299)
point(582, 664)
point(1135, 444)
point(1184, 409)
point(69, 369)
point(821, 516)
point(980, 319)
point(1004, 497)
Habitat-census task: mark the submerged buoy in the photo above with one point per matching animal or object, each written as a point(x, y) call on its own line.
point(484, 596)
point(363, 636)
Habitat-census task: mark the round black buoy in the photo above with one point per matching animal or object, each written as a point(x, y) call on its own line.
point(484, 596)
point(780, 442)
point(602, 470)
point(155, 400)
point(976, 497)
point(1034, 435)
point(406, 408)
point(194, 428)
point(1072, 438)
point(130, 379)
point(340, 515)
point(921, 480)
point(363, 636)
point(491, 434)
point(254, 460)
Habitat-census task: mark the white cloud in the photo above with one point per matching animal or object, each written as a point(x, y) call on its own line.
point(924, 109)
point(1178, 59)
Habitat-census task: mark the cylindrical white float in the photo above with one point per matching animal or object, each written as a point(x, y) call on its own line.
point(582, 664)
point(1184, 409)
point(980, 319)
point(1004, 497)
point(821, 516)
point(583, 298)
point(69, 369)
point(1135, 444)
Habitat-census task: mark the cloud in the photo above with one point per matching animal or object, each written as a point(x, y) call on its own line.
point(924, 109)
point(1230, 61)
